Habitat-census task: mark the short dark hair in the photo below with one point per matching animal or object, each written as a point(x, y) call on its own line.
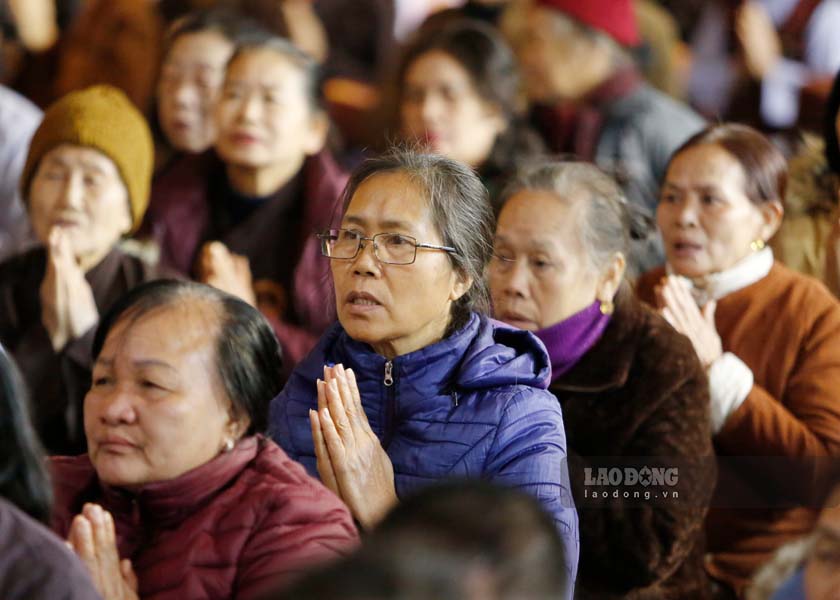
point(461, 214)
point(507, 529)
point(308, 66)
point(23, 477)
point(248, 355)
point(481, 51)
point(435, 542)
point(763, 164)
point(494, 72)
point(229, 23)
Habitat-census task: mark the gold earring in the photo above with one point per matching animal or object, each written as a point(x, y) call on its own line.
point(757, 245)
point(606, 307)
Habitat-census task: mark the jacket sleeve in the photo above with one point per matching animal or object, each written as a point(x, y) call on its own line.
point(529, 453)
point(799, 433)
point(302, 527)
point(645, 538)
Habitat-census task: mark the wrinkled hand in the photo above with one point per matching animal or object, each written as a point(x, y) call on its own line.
point(226, 271)
point(351, 461)
point(68, 309)
point(759, 40)
point(681, 311)
point(93, 538)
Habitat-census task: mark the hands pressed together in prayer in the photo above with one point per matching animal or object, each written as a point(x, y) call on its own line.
point(227, 271)
point(93, 538)
point(351, 460)
point(678, 307)
point(68, 309)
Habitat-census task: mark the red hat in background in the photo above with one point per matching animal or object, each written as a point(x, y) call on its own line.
point(616, 18)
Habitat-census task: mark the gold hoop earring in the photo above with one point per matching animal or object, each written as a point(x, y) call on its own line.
point(757, 245)
point(606, 307)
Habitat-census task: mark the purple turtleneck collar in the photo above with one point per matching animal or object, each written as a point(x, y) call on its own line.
point(568, 340)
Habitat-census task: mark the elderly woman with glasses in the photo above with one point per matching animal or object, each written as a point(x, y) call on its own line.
point(415, 383)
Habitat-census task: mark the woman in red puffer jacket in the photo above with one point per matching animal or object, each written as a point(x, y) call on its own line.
point(179, 496)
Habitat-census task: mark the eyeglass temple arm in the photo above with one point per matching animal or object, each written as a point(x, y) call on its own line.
point(435, 247)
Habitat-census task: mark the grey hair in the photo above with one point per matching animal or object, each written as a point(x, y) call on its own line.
point(606, 227)
point(461, 213)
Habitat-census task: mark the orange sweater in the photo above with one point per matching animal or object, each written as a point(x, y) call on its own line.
point(786, 328)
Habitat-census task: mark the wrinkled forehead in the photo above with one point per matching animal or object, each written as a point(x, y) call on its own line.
point(173, 332)
point(390, 201)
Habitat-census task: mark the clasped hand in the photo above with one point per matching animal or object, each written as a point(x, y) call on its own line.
point(351, 460)
point(68, 309)
point(680, 310)
point(93, 538)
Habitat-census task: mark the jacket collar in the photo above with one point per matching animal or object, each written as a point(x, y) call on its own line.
point(482, 354)
point(745, 272)
point(168, 502)
point(593, 373)
point(431, 368)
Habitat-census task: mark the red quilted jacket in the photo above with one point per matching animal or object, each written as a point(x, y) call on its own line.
point(248, 519)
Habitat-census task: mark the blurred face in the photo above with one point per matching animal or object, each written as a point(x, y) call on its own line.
point(157, 407)
point(80, 190)
point(264, 118)
point(441, 107)
point(395, 308)
point(541, 273)
point(191, 76)
point(822, 571)
point(559, 61)
point(706, 219)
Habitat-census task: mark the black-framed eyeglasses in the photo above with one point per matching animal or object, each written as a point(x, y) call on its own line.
point(389, 248)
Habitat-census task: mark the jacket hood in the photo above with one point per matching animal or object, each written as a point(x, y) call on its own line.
point(502, 355)
point(483, 354)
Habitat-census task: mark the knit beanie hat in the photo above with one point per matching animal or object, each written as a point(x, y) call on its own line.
point(100, 117)
point(616, 18)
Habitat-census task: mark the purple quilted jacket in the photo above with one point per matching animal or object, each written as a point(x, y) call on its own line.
point(472, 405)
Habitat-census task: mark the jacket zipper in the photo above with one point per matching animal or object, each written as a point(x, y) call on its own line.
point(390, 404)
point(389, 374)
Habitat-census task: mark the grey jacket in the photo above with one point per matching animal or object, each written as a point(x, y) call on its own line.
point(639, 134)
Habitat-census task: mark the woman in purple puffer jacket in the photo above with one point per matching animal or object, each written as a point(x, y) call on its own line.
point(415, 383)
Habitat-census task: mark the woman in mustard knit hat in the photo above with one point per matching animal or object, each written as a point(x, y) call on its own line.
point(85, 185)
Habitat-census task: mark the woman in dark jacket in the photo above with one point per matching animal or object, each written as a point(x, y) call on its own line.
point(415, 383)
point(244, 222)
point(25, 499)
point(86, 185)
point(459, 93)
point(179, 495)
point(634, 395)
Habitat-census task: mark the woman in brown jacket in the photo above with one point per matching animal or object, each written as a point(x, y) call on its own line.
point(634, 396)
point(767, 336)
